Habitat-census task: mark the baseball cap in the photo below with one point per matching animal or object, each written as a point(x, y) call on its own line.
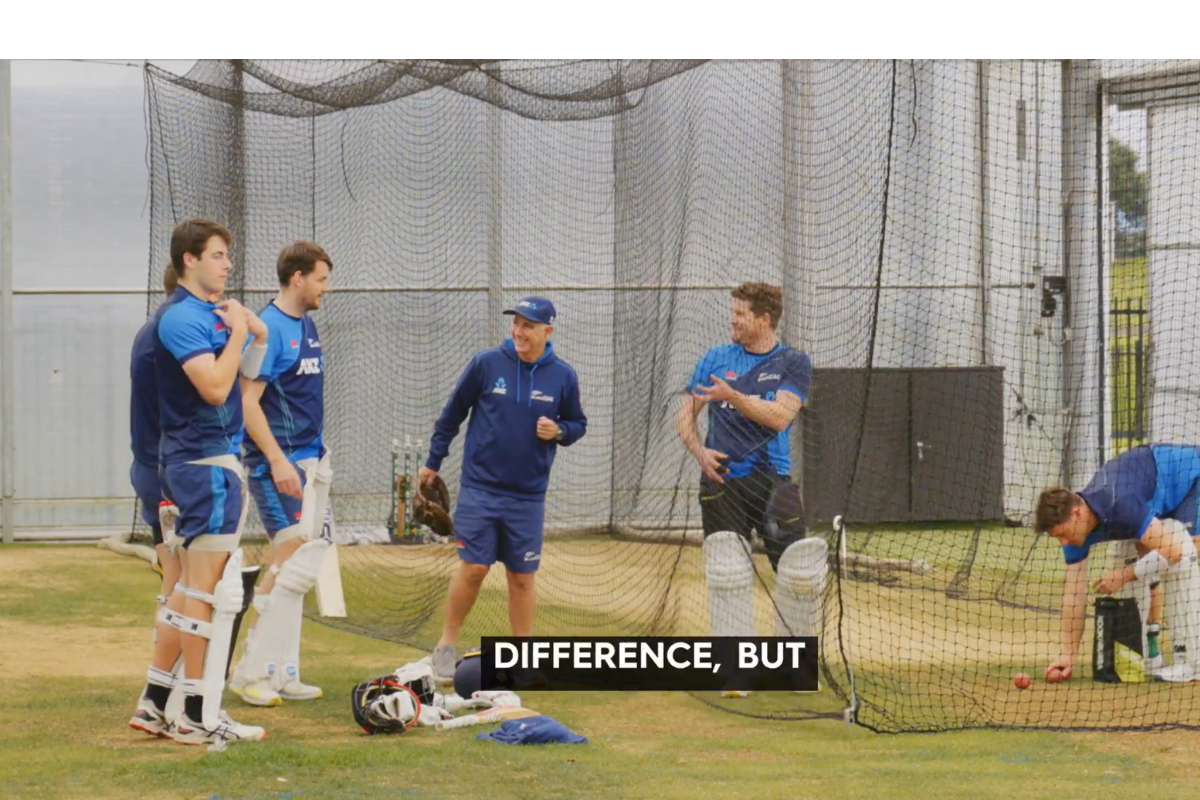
point(535, 309)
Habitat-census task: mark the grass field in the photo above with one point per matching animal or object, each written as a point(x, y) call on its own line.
point(74, 641)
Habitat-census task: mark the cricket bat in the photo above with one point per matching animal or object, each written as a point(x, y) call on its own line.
point(485, 717)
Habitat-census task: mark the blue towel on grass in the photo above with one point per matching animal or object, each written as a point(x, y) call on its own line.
point(532, 730)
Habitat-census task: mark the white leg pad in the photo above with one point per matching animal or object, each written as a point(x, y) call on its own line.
point(318, 475)
point(730, 576)
point(1181, 601)
point(226, 602)
point(274, 653)
point(799, 584)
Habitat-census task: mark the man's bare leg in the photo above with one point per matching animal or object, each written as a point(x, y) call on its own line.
point(460, 598)
point(522, 602)
point(166, 639)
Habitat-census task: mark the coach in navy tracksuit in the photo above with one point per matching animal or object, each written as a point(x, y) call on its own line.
point(523, 402)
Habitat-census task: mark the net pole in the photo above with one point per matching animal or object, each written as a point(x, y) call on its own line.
point(495, 174)
point(799, 245)
point(984, 210)
point(6, 297)
point(1079, 81)
point(235, 181)
point(796, 279)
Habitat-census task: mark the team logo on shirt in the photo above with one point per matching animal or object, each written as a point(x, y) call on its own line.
point(500, 387)
point(730, 375)
point(294, 343)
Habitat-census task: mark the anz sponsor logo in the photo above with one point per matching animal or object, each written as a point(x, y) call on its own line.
point(729, 404)
point(500, 387)
point(545, 398)
point(309, 366)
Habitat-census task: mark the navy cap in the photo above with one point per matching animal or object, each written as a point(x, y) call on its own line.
point(535, 309)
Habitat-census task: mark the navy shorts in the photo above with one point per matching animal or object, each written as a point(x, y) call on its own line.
point(277, 511)
point(148, 488)
point(209, 498)
point(491, 527)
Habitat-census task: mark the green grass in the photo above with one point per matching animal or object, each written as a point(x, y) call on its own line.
point(1130, 282)
point(74, 644)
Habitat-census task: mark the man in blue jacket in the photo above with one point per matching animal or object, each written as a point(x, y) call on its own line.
point(523, 402)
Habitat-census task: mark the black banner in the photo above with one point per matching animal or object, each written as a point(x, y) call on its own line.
point(650, 664)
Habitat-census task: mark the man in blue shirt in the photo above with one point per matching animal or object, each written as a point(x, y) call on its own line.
point(524, 403)
point(1147, 495)
point(145, 431)
point(289, 475)
point(753, 389)
point(198, 354)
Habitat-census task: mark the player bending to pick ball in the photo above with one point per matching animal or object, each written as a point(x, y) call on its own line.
point(289, 476)
point(199, 351)
point(1148, 496)
point(523, 402)
point(753, 389)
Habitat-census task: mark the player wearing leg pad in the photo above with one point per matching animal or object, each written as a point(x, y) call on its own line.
point(799, 584)
point(272, 655)
point(226, 602)
point(730, 576)
point(318, 476)
point(1181, 610)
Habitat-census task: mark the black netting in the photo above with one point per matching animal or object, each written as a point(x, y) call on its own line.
point(991, 302)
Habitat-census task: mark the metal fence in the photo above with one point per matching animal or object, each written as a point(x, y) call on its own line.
point(1128, 359)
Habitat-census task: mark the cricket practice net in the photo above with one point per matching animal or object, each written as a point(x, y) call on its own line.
point(977, 257)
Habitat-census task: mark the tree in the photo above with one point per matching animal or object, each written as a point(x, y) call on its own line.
point(1126, 185)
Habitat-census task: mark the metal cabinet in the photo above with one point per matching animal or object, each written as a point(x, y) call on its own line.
point(932, 445)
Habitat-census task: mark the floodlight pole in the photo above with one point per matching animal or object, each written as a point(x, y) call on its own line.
point(7, 445)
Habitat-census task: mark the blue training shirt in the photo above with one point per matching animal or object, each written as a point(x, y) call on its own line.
point(144, 428)
point(294, 399)
point(504, 397)
point(1141, 484)
point(192, 428)
point(748, 444)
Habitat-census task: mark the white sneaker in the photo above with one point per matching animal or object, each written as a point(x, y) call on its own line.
point(1152, 665)
point(295, 690)
point(227, 730)
point(148, 719)
point(444, 660)
point(1182, 672)
point(258, 693)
